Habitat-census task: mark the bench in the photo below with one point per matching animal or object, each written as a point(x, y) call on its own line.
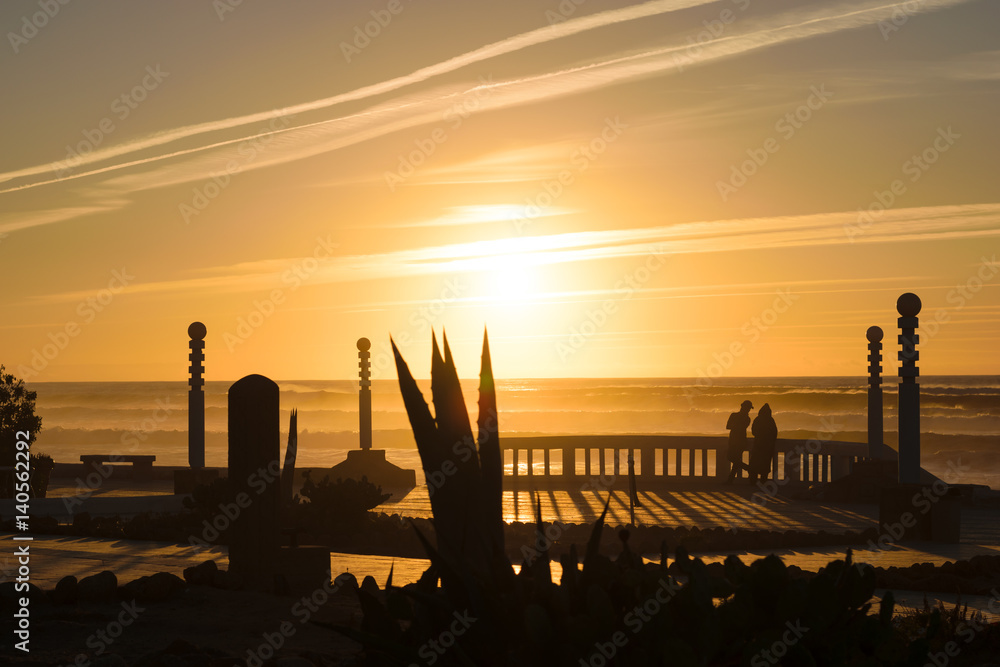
point(142, 465)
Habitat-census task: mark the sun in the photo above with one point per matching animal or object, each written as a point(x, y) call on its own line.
point(517, 281)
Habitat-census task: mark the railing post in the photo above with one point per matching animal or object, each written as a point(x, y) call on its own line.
point(647, 462)
point(569, 462)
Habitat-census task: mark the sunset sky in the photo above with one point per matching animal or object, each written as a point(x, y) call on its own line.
point(665, 188)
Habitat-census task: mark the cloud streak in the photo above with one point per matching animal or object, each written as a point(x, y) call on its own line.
point(199, 163)
point(914, 224)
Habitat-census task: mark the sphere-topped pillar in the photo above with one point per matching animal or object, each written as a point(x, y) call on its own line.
point(365, 394)
point(908, 306)
point(196, 396)
point(875, 425)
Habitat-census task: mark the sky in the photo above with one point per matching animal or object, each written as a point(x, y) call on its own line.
point(672, 188)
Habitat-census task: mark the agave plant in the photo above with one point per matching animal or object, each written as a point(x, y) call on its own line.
point(467, 505)
point(610, 612)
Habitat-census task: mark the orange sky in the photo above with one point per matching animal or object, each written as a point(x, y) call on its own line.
point(668, 188)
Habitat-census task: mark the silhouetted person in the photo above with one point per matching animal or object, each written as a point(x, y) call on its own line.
point(765, 436)
point(737, 425)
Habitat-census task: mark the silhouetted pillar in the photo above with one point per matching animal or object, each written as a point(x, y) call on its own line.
point(196, 396)
point(365, 394)
point(875, 431)
point(569, 461)
point(647, 462)
point(908, 306)
point(254, 471)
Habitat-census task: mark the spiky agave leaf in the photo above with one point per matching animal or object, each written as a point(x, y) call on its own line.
point(288, 473)
point(594, 543)
point(541, 567)
point(490, 458)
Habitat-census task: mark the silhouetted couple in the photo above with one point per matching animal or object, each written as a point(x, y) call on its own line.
point(765, 436)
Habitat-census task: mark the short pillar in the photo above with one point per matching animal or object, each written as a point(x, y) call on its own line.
point(254, 469)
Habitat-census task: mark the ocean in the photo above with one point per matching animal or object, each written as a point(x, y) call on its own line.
point(960, 415)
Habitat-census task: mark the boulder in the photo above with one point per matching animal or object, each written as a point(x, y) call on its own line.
point(201, 574)
point(67, 591)
point(101, 587)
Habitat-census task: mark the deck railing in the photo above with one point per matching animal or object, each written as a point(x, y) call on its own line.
point(668, 457)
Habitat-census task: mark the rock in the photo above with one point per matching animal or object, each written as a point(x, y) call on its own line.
point(201, 574)
point(154, 588)
point(102, 587)
point(67, 591)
